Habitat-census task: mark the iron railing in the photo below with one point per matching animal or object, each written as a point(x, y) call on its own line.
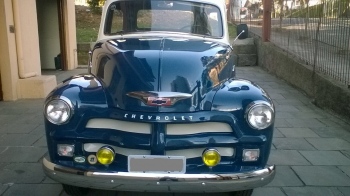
point(316, 31)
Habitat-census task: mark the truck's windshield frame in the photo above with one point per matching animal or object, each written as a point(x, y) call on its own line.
point(135, 16)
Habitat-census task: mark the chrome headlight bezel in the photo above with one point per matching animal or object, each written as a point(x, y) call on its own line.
point(256, 105)
point(62, 104)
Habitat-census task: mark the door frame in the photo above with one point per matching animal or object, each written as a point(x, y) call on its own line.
point(61, 6)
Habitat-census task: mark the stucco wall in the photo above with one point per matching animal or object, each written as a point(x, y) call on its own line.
point(19, 52)
point(8, 58)
point(325, 92)
point(71, 39)
point(27, 37)
point(48, 32)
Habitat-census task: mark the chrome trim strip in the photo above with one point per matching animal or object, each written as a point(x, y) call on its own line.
point(194, 128)
point(93, 147)
point(159, 182)
point(188, 153)
point(197, 152)
point(132, 127)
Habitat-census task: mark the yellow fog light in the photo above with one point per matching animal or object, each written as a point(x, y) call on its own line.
point(211, 157)
point(105, 155)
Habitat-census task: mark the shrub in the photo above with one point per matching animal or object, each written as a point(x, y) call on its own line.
point(95, 5)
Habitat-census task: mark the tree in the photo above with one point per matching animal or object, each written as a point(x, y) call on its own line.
point(307, 16)
point(95, 5)
point(346, 12)
point(280, 6)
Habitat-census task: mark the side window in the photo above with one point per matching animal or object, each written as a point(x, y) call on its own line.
point(117, 22)
point(114, 21)
point(144, 19)
point(215, 23)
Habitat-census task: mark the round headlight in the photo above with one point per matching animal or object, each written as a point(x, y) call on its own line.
point(58, 111)
point(260, 115)
point(211, 157)
point(105, 155)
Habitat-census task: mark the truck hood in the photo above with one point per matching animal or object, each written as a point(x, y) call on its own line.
point(161, 74)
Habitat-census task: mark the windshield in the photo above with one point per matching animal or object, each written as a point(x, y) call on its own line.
point(132, 16)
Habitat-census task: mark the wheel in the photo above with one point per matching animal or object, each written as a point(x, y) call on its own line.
point(74, 190)
point(243, 193)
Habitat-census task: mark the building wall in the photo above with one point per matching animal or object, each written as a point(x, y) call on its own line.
point(20, 62)
point(8, 53)
point(19, 52)
point(49, 37)
point(27, 38)
point(71, 35)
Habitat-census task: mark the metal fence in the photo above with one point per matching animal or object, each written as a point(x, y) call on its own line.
point(316, 31)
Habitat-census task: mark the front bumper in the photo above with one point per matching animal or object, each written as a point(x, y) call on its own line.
point(127, 181)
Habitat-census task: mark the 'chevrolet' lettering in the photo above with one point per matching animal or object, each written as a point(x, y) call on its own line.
point(158, 118)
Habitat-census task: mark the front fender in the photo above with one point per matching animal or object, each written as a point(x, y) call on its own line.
point(82, 90)
point(235, 95)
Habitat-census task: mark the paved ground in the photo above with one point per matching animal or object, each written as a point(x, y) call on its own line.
point(311, 147)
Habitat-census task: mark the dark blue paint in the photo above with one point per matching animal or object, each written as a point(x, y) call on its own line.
point(161, 64)
point(158, 138)
point(191, 66)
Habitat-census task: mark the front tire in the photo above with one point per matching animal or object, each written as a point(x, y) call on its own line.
point(243, 193)
point(74, 190)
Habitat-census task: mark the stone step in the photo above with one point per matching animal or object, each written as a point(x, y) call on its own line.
point(36, 87)
point(245, 59)
point(244, 46)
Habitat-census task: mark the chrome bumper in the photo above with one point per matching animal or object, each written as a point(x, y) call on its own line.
point(127, 181)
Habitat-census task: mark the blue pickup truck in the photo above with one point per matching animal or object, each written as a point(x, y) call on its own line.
point(160, 108)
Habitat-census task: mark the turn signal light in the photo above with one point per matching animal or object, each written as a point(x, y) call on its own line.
point(211, 157)
point(105, 155)
point(66, 150)
point(251, 155)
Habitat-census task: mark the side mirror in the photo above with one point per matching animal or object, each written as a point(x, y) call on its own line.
point(243, 31)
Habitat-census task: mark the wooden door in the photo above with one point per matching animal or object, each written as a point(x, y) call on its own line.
point(62, 6)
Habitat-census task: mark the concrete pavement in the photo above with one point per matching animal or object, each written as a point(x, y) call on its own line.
point(311, 147)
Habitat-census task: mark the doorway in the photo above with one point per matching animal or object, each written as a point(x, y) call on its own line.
point(52, 38)
point(48, 29)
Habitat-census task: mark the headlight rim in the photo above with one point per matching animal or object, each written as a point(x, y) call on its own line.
point(66, 101)
point(110, 149)
point(213, 150)
point(255, 104)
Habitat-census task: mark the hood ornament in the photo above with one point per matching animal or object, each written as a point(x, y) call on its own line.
point(153, 98)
